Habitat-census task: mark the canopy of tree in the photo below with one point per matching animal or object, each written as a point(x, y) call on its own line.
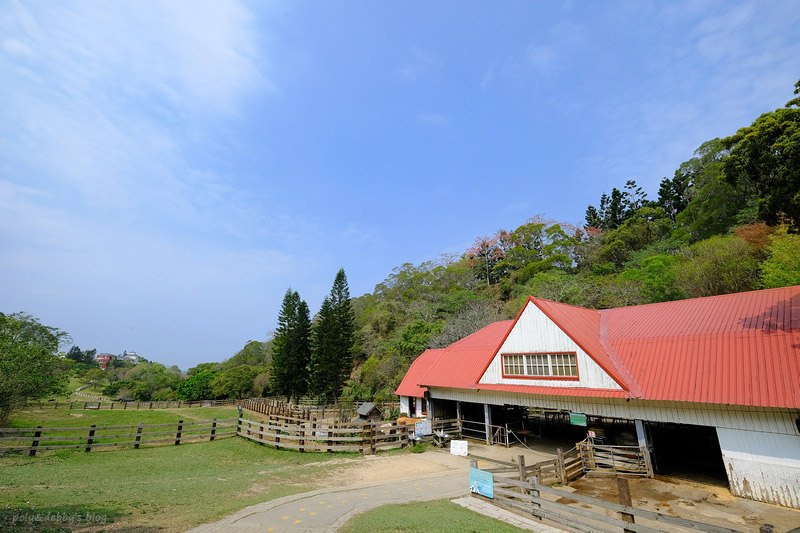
point(29, 365)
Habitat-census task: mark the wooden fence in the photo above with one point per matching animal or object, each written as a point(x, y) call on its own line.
point(613, 460)
point(593, 515)
point(564, 468)
point(311, 436)
point(36, 439)
point(343, 411)
point(128, 406)
point(322, 435)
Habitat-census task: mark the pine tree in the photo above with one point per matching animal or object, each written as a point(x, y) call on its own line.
point(291, 347)
point(333, 341)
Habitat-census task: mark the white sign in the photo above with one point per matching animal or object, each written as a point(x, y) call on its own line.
point(423, 427)
point(458, 447)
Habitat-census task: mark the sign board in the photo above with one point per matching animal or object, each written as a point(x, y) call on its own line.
point(481, 482)
point(458, 447)
point(422, 427)
point(577, 419)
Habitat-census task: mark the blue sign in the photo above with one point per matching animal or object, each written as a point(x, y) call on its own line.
point(481, 482)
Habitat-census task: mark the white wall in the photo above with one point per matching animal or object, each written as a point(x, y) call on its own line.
point(762, 466)
point(534, 332)
point(404, 405)
point(763, 419)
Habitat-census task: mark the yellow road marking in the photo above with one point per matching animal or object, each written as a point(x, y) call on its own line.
point(302, 508)
point(285, 517)
point(313, 513)
point(297, 521)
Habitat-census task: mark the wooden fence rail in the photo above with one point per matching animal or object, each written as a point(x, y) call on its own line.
point(36, 439)
point(614, 460)
point(306, 436)
point(592, 515)
point(128, 406)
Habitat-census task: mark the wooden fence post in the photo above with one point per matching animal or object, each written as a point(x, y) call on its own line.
point(90, 440)
point(562, 469)
point(71, 404)
point(35, 443)
point(84, 405)
point(151, 406)
point(302, 437)
point(625, 499)
point(213, 429)
point(139, 429)
point(178, 434)
point(372, 437)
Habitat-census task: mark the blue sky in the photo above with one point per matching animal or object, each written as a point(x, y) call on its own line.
point(168, 169)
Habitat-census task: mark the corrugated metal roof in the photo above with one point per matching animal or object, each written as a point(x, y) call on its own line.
point(738, 349)
point(410, 384)
point(461, 364)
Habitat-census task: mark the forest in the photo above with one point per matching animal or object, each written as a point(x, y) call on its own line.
point(727, 221)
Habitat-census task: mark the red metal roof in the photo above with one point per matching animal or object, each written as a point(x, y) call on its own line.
point(460, 365)
point(739, 349)
point(410, 384)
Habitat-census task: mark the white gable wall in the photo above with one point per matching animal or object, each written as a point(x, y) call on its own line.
point(534, 332)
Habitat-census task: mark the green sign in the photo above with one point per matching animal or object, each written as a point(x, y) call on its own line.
point(577, 419)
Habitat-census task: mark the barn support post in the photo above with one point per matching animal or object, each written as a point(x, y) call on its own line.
point(487, 418)
point(641, 436)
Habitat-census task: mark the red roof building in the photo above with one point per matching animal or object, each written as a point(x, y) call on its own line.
point(728, 363)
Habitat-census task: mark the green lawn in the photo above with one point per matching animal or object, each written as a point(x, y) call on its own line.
point(33, 417)
point(169, 488)
point(435, 515)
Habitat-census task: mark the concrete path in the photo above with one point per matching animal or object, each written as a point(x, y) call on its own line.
point(329, 509)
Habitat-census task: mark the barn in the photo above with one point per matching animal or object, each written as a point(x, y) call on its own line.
point(709, 385)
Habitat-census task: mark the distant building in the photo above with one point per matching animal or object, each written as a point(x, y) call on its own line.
point(104, 358)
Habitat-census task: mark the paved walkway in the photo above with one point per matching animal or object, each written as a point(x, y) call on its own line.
point(329, 509)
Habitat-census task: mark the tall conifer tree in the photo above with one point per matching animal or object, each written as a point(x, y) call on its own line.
point(333, 340)
point(291, 349)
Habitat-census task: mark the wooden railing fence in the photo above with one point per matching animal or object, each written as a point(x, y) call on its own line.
point(307, 433)
point(129, 406)
point(36, 439)
point(613, 460)
point(311, 436)
point(513, 489)
point(564, 468)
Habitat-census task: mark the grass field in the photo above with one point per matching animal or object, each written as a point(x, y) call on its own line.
point(33, 417)
point(435, 515)
point(165, 488)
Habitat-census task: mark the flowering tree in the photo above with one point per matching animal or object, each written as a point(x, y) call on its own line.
point(484, 254)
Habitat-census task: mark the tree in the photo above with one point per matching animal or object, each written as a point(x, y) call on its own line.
point(765, 158)
point(236, 381)
point(483, 256)
point(29, 366)
point(782, 267)
point(291, 347)
point(197, 387)
point(333, 340)
point(717, 265)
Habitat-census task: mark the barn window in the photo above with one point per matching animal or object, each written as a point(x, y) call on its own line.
point(562, 365)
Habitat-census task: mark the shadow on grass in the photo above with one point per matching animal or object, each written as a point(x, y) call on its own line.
point(65, 518)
